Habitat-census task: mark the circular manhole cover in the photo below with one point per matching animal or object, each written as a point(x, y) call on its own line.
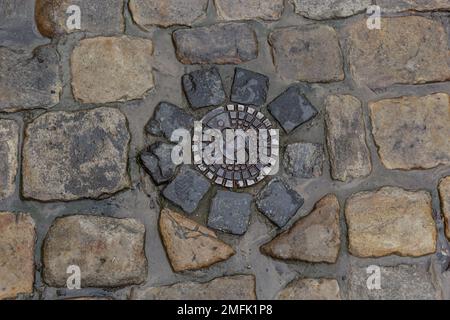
point(240, 163)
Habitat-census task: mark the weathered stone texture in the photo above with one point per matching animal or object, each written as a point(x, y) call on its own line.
point(412, 132)
point(167, 118)
point(413, 5)
point(304, 160)
point(9, 150)
point(407, 50)
point(269, 10)
point(308, 53)
point(223, 43)
point(310, 289)
point(157, 161)
point(249, 88)
point(444, 192)
point(390, 221)
point(109, 251)
point(108, 69)
point(346, 138)
point(240, 287)
point(73, 155)
point(17, 242)
point(204, 88)
point(330, 9)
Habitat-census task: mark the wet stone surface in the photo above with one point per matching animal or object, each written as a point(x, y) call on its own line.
point(304, 160)
point(157, 161)
point(249, 88)
point(204, 88)
point(167, 118)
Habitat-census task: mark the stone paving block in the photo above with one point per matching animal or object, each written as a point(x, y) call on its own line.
point(308, 53)
point(167, 118)
point(249, 88)
point(330, 9)
point(310, 289)
point(223, 43)
point(304, 160)
point(109, 69)
point(278, 202)
point(413, 5)
point(412, 132)
point(35, 81)
point(346, 138)
point(189, 245)
point(407, 50)
point(9, 150)
point(444, 193)
point(17, 242)
point(269, 10)
point(239, 287)
point(390, 221)
point(108, 251)
point(204, 88)
point(230, 212)
point(291, 109)
point(75, 155)
point(157, 161)
point(148, 13)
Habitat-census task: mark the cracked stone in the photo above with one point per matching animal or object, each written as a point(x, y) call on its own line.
point(157, 161)
point(291, 109)
point(412, 132)
point(204, 88)
point(308, 53)
point(278, 202)
point(346, 138)
point(407, 50)
point(189, 245)
point(9, 149)
point(187, 189)
point(148, 13)
point(230, 212)
point(314, 238)
point(17, 242)
point(109, 251)
point(311, 289)
point(249, 88)
point(330, 9)
point(269, 10)
point(413, 5)
point(304, 160)
point(35, 81)
point(390, 221)
point(444, 192)
point(75, 155)
point(223, 43)
point(109, 69)
point(239, 287)
point(167, 118)
point(98, 17)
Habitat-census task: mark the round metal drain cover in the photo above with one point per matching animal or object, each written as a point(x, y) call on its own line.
point(234, 173)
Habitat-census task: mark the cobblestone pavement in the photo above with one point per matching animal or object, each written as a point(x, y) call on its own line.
point(86, 177)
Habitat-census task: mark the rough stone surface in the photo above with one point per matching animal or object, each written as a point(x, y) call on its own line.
point(99, 17)
point(269, 10)
point(9, 150)
point(412, 132)
point(304, 160)
point(167, 118)
point(311, 289)
point(403, 282)
point(17, 243)
point(223, 43)
point(314, 238)
point(108, 69)
point(444, 192)
point(346, 138)
point(109, 251)
point(157, 161)
point(278, 202)
point(330, 9)
point(308, 53)
point(407, 50)
point(240, 287)
point(291, 109)
point(33, 83)
point(249, 88)
point(390, 221)
point(414, 5)
point(147, 13)
point(204, 88)
point(230, 212)
point(187, 189)
point(189, 245)
point(74, 155)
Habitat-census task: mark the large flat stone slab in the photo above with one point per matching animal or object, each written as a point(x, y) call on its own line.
point(330, 9)
point(9, 150)
point(74, 155)
point(310, 289)
point(230, 10)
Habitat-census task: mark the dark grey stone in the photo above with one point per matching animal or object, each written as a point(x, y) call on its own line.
point(304, 160)
point(157, 161)
point(187, 189)
point(291, 109)
point(230, 212)
point(204, 88)
point(249, 87)
point(278, 202)
point(167, 118)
